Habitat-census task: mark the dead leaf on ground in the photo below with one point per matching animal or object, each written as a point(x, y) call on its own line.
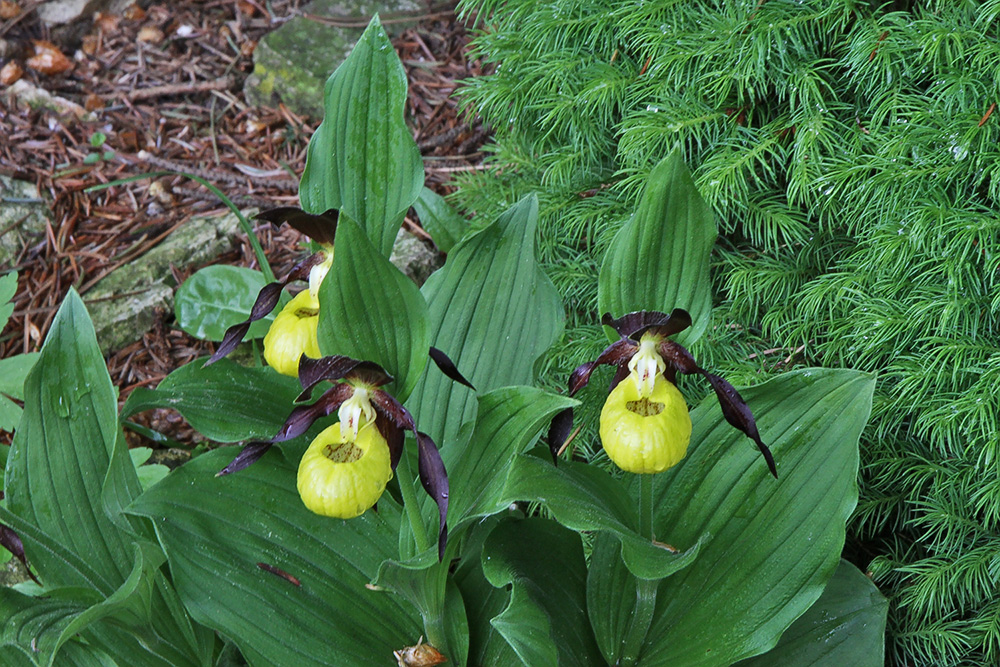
point(150, 33)
point(134, 12)
point(48, 59)
point(8, 9)
point(10, 73)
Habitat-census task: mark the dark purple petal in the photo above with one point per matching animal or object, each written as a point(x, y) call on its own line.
point(11, 541)
point(559, 430)
point(676, 322)
point(448, 367)
point(389, 408)
point(737, 413)
point(336, 367)
point(394, 438)
point(434, 479)
point(620, 374)
point(303, 416)
point(249, 455)
point(617, 353)
point(266, 300)
point(678, 358)
point(320, 227)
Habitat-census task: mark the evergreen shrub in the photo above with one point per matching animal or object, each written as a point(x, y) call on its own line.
point(852, 154)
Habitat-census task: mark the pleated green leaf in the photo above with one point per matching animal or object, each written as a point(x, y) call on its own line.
point(507, 422)
point(493, 312)
point(586, 498)
point(846, 626)
point(370, 310)
point(545, 621)
point(659, 259)
point(362, 160)
point(61, 453)
point(225, 401)
point(217, 297)
point(775, 543)
point(440, 220)
point(286, 585)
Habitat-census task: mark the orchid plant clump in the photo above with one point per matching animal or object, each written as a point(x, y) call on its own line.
point(312, 546)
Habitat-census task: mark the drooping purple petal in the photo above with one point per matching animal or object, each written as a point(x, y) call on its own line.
point(249, 455)
point(617, 353)
point(389, 408)
point(320, 227)
point(737, 413)
point(633, 325)
point(11, 541)
point(394, 438)
point(434, 479)
point(336, 367)
point(677, 357)
point(559, 430)
point(303, 416)
point(621, 372)
point(448, 367)
point(266, 300)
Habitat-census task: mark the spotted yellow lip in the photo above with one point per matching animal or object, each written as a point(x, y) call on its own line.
point(645, 434)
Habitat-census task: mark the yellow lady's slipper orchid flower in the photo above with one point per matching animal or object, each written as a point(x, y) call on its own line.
point(321, 228)
point(346, 467)
point(292, 334)
point(645, 434)
point(342, 475)
point(645, 426)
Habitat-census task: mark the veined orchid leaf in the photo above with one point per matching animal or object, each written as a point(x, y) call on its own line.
point(321, 613)
point(362, 160)
point(370, 310)
point(846, 626)
point(440, 220)
point(493, 312)
point(225, 401)
point(659, 259)
point(774, 543)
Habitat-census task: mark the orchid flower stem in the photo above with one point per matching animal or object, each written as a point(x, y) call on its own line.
point(405, 476)
point(645, 589)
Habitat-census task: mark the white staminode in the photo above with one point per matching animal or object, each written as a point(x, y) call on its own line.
point(645, 365)
point(318, 272)
point(350, 413)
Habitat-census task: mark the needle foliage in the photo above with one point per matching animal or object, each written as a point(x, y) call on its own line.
point(852, 154)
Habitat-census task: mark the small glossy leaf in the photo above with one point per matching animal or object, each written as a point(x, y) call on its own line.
point(225, 401)
point(440, 220)
point(546, 620)
point(371, 311)
point(217, 297)
point(13, 371)
point(493, 312)
point(362, 160)
point(775, 543)
point(659, 260)
point(213, 551)
point(846, 626)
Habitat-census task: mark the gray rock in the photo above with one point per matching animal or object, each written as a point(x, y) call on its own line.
point(415, 258)
point(70, 19)
point(124, 303)
point(293, 63)
point(23, 214)
point(12, 573)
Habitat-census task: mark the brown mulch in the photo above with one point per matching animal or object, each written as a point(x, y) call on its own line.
point(167, 82)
